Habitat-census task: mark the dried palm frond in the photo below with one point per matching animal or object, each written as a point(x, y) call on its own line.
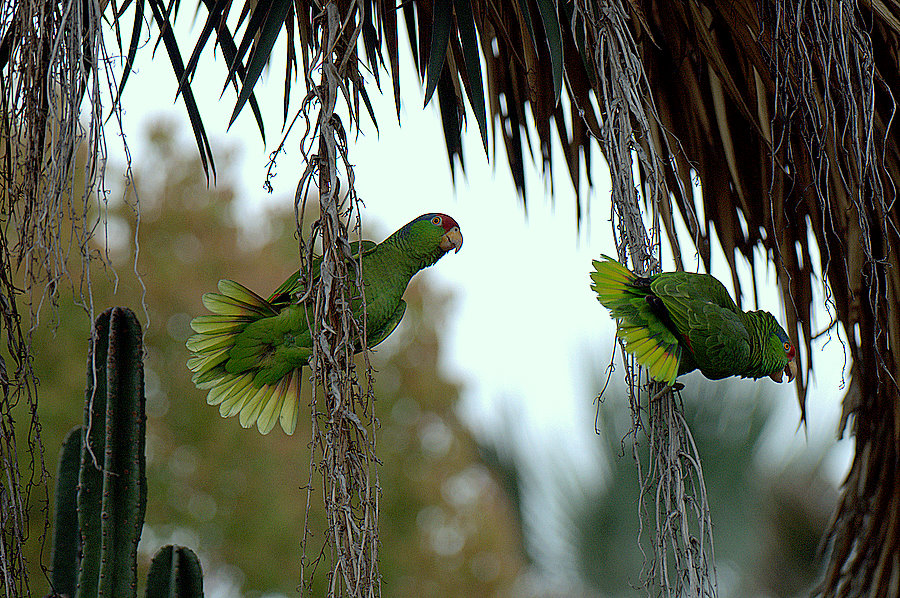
point(783, 112)
point(342, 412)
point(49, 81)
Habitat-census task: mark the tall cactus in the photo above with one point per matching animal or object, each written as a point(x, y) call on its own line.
point(101, 492)
point(112, 487)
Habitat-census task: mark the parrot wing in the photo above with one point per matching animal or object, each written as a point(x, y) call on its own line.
point(294, 286)
point(695, 286)
point(652, 344)
point(718, 341)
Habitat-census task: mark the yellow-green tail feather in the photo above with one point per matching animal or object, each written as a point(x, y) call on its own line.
point(611, 281)
point(653, 345)
point(659, 355)
point(234, 307)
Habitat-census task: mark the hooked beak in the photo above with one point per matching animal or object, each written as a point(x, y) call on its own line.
point(790, 369)
point(452, 239)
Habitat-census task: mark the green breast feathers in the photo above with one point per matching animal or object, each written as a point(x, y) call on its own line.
point(676, 322)
point(249, 353)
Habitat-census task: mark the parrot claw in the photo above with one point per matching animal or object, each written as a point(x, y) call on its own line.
point(675, 387)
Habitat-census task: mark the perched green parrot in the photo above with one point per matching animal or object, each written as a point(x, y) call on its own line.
point(676, 322)
point(249, 354)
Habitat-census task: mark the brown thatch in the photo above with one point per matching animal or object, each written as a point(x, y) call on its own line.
point(782, 110)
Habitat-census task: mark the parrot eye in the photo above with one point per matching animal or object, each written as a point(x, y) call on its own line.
point(789, 349)
point(436, 221)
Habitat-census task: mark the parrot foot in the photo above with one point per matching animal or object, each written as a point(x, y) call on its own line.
point(677, 386)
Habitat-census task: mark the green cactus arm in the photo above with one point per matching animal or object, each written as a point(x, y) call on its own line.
point(65, 531)
point(124, 478)
point(90, 475)
point(175, 573)
point(112, 499)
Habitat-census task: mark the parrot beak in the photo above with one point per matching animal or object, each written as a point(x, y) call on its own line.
point(452, 239)
point(790, 369)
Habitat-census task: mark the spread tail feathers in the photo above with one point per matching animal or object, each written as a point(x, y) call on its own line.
point(659, 356)
point(646, 337)
point(612, 282)
point(234, 307)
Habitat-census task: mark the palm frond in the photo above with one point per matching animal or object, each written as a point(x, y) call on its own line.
point(783, 112)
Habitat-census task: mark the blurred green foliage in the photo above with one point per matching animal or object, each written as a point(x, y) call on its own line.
point(767, 522)
point(234, 495)
point(589, 536)
point(446, 527)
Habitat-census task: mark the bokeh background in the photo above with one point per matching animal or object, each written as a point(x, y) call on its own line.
point(502, 472)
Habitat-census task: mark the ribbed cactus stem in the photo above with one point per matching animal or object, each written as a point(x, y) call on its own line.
point(65, 531)
point(101, 491)
point(175, 573)
point(112, 493)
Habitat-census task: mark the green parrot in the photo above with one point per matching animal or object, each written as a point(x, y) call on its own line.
point(249, 354)
point(677, 322)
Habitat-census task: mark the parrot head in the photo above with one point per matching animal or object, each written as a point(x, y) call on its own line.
point(780, 347)
point(433, 234)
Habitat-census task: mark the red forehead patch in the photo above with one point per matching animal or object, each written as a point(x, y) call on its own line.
point(447, 222)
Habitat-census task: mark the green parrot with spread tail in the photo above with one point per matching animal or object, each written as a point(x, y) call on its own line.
point(676, 322)
point(249, 353)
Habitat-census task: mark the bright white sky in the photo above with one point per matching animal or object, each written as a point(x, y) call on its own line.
point(524, 320)
point(524, 316)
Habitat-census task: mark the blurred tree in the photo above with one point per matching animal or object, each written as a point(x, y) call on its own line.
point(767, 531)
point(769, 522)
point(239, 497)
